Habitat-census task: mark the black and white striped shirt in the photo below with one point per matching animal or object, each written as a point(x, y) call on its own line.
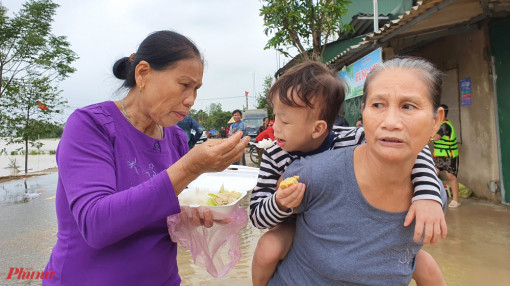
point(264, 212)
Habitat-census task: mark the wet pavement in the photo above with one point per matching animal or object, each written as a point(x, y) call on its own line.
point(476, 252)
point(28, 225)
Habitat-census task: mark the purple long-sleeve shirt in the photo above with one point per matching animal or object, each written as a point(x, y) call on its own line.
point(113, 197)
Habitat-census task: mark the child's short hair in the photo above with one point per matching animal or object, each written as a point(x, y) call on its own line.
point(311, 80)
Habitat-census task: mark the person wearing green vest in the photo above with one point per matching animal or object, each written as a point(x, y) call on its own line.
point(446, 155)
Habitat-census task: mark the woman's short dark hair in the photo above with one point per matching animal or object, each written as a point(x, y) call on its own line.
point(161, 50)
point(311, 81)
point(432, 77)
point(237, 111)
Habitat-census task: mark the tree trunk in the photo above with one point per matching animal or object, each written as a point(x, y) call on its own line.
point(26, 139)
point(1, 75)
point(26, 155)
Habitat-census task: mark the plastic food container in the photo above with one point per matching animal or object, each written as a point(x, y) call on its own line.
point(241, 179)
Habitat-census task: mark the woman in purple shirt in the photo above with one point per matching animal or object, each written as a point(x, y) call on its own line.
point(122, 165)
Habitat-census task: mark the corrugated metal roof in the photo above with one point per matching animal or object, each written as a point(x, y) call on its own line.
point(426, 16)
point(369, 43)
point(364, 23)
point(367, 7)
point(333, 49)
point(336, 47)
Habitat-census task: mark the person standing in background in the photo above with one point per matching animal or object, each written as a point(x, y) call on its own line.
point(188, 124)
point(268, 133)
point(446, 155)
point(263, 126)
point(238, 125)
point(223, 132)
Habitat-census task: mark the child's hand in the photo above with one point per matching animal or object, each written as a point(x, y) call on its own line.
point(290, 197)
point(429, 217)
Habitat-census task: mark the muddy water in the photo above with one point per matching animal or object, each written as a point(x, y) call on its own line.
point(35, 162)
point(477, 249)
point(240, 275)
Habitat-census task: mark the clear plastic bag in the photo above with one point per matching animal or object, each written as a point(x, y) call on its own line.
point(216, 248)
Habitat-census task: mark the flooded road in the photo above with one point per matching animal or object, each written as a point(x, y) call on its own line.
point(11, 164)
point(476, 252)
point(477, 249)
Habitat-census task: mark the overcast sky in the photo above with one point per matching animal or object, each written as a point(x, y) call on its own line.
point(229, 33)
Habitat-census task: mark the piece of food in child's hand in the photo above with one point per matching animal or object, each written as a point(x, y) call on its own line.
point(289, 182)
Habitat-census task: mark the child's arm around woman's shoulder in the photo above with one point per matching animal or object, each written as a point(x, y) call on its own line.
point(347, 136)
point(427, 203)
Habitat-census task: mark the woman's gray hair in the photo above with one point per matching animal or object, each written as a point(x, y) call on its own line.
point(432, 77)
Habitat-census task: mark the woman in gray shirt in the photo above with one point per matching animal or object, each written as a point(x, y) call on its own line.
point(349, 226)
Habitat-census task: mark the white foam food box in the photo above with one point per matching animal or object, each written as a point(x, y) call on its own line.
point(235, 178)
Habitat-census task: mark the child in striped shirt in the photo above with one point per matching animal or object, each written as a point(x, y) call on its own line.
point(306, 100)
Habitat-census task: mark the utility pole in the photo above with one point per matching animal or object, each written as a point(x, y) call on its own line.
point(376, 16)
point(246, 95)
point(254, 91)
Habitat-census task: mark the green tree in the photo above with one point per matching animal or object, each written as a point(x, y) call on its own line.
point(28, 46)
point(220, 119)
point(214, 108)
point(262, 98)
point(28, 107)
point(303, 24)
point(213, 118)
point(200, 116)
point(217, 117)
point(32, 63)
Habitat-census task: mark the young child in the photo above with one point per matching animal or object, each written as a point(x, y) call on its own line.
point(306, 100)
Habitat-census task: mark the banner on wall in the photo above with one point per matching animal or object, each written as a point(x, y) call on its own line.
point(356, 73)
point(465, 92)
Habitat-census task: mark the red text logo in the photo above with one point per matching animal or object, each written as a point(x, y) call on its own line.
point(22, 273)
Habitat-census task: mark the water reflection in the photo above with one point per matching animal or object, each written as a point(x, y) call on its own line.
point(22, 191)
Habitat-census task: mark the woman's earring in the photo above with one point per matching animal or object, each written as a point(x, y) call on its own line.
point(141, 88)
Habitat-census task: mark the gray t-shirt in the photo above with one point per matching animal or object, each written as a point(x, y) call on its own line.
point(340, 238)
